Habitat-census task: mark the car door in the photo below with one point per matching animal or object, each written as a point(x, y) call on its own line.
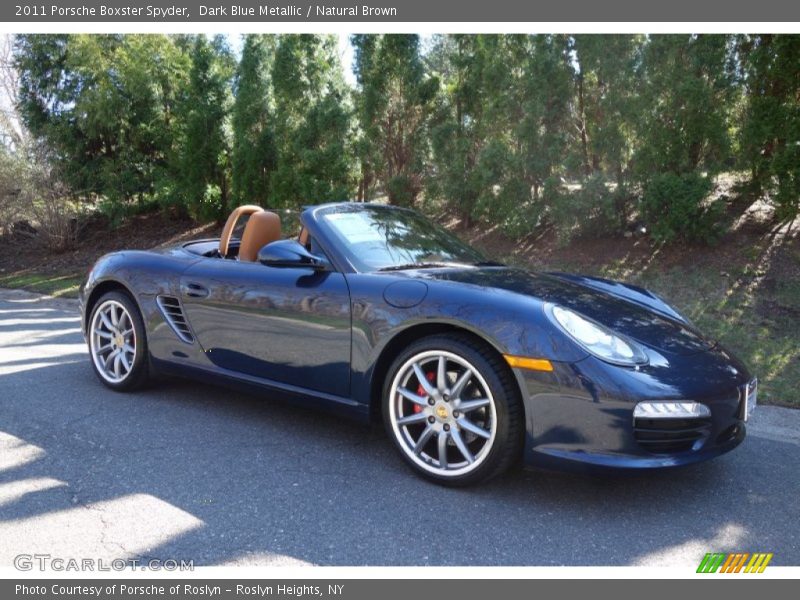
point(288, 325)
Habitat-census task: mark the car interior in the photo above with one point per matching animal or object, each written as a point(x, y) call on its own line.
point(261, 228)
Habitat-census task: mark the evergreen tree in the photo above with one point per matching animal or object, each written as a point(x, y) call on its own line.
point(458, 129)
point(105, 105)
point(205, 147)
point(312, 123)
point(517, 130)
point(254, 153)
point(543, 132)
point(606, 85)
point(394, 103)
point(529, 110)
point(687, 96)
point(682, 135)
point(770, 136)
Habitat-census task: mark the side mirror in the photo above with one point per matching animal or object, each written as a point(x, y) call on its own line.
point(290, 253)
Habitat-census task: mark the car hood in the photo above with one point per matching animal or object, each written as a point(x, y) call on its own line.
point(633, 319)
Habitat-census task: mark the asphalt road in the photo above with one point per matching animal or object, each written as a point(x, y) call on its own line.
point(184, 471)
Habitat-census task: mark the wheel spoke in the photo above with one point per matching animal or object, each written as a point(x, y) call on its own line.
point(106, 335)
point(423, 439)
point(442, 443)
point(125, 362)
point(114, 315)
point(472, 428)
point(106, 322)
point(118, 364)
point(411, 396)
point(461, 383)
point(109, 359)
point(423, 380)
point(412, 419)
point(123, 320)
point(103, 349)
point(462, 447)
point(470, 405)
point(441, 375)
point(128, 348)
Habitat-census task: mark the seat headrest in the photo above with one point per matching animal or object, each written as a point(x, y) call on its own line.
point(262, 228)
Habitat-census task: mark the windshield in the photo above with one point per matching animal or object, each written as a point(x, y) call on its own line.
point(378, 238)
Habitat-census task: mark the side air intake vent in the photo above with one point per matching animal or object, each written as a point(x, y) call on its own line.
point(173, 313)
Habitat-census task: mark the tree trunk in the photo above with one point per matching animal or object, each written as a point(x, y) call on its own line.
point(621, 202)
point(223, 189)
point(587, 162)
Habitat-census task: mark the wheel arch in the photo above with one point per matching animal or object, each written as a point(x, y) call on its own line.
point(99, 290)
point(408, 336)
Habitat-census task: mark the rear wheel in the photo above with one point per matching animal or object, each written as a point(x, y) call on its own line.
point(117, 342)
point(452, 409)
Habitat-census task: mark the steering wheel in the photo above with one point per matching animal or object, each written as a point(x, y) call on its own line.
point(230, 225)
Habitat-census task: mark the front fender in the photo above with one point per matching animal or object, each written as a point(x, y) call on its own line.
point(511, 323)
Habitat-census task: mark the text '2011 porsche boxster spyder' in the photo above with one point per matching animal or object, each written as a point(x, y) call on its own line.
point(375, 312)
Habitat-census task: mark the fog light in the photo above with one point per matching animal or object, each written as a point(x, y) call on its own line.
point(670, 410)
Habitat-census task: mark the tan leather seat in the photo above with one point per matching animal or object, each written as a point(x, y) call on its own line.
point(262, 228)
point(230, 225)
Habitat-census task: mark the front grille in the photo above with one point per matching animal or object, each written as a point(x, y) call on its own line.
point(173, 313)
point(665, 436)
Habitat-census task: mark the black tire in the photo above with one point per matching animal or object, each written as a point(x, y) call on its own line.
point(139, 373)
point(506, 445)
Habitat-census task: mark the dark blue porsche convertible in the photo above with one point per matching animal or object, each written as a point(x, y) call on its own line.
point(375, 312)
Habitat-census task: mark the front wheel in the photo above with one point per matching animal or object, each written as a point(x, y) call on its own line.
point(452, 409)
point(117, 342)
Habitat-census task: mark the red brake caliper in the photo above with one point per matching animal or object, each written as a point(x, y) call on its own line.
point(421, 390)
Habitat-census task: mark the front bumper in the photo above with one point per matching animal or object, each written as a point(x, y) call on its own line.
point(580, 415)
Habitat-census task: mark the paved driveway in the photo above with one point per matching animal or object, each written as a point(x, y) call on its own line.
point(187, 471)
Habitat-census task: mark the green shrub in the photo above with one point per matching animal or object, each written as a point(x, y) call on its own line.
point(113, 208)
point(210, 207)
point(787, 194)
point(400, 190)
point(511, 207)
point(675, 207)
point(592, 210)
point(562, 210)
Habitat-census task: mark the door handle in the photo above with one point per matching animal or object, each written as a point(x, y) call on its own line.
point(194, 290)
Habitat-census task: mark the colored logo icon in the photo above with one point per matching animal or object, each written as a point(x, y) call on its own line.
point(737, 562)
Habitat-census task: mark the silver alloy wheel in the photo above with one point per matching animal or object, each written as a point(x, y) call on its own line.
point(442, 413)
point(112, 341)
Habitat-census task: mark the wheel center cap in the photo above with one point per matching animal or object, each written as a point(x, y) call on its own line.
point(119, 340)
point(441, 411)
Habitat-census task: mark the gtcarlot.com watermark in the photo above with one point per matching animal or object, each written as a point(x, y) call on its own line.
point(48, 562)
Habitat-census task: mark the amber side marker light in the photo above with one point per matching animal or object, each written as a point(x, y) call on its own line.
point(533, 364)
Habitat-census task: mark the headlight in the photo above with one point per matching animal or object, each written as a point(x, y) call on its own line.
point(596, 339)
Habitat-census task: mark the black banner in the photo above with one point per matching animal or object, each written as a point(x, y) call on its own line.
point(370, 589)
point(463, 11)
